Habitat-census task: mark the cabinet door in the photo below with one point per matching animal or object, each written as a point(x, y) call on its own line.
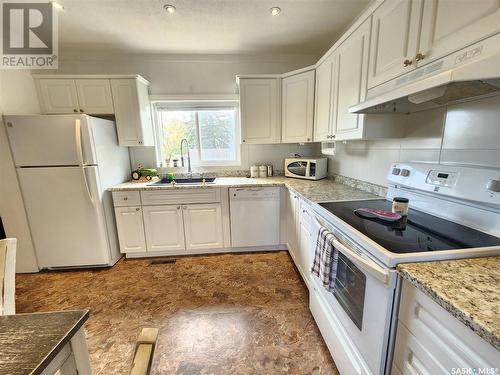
point(351, 72)
point(132, 113)
point(164, 228)
point(94, 96)
point(203, 226)
point(394, 39)
point(306, 252)
point(291, 224)
point(58, 96)
point(448, 25)
point(323, 100)
point(260, 110)
point(297, 108)
point(130, 229)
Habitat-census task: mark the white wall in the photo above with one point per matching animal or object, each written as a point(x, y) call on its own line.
point(467, 133)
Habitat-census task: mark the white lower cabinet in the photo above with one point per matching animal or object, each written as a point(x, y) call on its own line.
point(192, 225)
point(291, 223)
point(164, 228)
point(429, 340)
point(305, 250)
point(130, 227)
point(203, 226)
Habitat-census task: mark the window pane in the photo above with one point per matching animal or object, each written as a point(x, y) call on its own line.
point(217, 134)
point(177, 125)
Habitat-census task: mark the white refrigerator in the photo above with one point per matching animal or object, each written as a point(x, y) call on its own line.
point(65, 164)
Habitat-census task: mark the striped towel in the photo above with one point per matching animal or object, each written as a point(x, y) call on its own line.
point(326, 258)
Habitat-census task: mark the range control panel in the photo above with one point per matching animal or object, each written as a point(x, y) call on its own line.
point(459, 181)
point(442, 178)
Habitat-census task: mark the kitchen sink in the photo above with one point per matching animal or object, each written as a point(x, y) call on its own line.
point(187, 181)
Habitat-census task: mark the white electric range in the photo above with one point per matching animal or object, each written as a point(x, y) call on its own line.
point(454, 213)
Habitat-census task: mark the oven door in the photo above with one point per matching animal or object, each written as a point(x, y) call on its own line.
point(355, 319)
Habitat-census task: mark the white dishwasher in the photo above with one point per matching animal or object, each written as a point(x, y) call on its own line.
point(255, 216)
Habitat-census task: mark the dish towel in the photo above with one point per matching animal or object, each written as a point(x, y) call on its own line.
point(326, 258)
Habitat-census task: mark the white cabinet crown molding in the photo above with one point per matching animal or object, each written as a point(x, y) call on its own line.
point(91, 76)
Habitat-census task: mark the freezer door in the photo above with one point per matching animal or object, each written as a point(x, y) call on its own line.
point(50, 140)
point(65, 215)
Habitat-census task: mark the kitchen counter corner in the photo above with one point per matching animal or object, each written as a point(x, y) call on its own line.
point(467, 288)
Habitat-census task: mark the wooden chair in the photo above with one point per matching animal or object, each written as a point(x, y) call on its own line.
point(8, 276)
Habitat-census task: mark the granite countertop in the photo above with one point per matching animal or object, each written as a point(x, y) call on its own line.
point(467, 288)
point(29, 342)
point(314, 191)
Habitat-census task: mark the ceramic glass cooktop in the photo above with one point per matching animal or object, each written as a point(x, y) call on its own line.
point(419, 232)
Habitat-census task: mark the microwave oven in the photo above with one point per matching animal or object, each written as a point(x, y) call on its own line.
point(307, 168)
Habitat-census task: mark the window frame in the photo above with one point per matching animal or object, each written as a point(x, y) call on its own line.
point(198, 105)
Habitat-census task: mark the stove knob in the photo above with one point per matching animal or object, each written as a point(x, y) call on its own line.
point(493, 186)
point(396, 171)
point(405, 172)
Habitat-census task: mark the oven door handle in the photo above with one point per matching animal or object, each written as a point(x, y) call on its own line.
point(369, 266)
point(373, 269)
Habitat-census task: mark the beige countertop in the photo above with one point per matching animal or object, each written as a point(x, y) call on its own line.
point(468, 288)
point(314, 191)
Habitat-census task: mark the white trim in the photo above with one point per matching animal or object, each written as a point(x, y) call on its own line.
point(91, 76)
point(150, 254)
point(193, 97)
point(298, 71)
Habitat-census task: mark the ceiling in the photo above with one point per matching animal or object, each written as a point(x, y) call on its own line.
point(205, 26)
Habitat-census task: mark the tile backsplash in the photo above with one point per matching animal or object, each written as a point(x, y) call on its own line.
point(465, 133)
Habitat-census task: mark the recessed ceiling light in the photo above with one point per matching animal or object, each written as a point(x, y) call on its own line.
point(57, 5)
point(169, 8)
point(275, 11)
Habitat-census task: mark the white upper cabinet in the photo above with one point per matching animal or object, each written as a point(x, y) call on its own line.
point(132, 112)
point(448, 25)
point(351, 69)
point(58, 96)
point(323, 100)
point(125, 96)
point(94, 96)
point(297, 107)
point(260, 108)
point(407, 34)
point(395, 28)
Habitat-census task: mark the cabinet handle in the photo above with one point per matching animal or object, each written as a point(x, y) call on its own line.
point(407, 62)
point(75, 110)
point(420, 56)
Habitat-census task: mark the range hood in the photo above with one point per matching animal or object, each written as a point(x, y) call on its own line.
point(469, 73)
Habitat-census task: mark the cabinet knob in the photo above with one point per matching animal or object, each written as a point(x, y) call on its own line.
point(407, 62)
point(243, 141)
point(140, 142)
point(420, 56)
point(75, 110)
point(178, 207)
point(81, 110)
point(308, 139)
point(125, 199)
point(137, 209)
point(333, 136)
point(184, 207)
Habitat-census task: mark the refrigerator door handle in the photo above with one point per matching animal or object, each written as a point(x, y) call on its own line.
point(86, 182)
point(78, 141)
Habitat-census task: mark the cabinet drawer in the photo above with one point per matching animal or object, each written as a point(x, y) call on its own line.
point(126, 198)
point(180, 196)
point(440, 333)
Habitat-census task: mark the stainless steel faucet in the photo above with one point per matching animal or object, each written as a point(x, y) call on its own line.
point(190, 172)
